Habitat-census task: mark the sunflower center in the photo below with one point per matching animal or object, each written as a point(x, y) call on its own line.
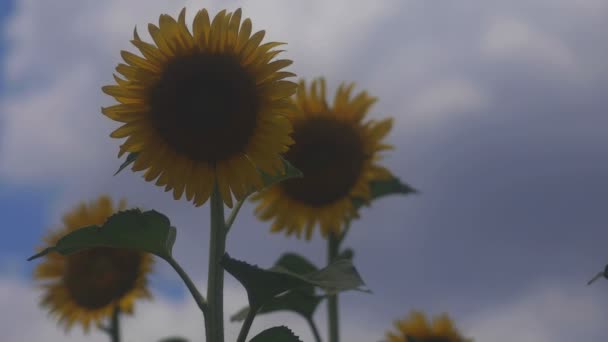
point(330, 154)
point(98, 276)
point(205, 106)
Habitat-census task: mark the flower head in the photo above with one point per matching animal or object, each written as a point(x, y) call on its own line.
point(416, 326)
point(337, 151)
point(85, 287)
point(204, 106)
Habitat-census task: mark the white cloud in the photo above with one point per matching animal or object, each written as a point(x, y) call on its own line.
point(549, 312)
point(53, 131)
point(512, 39)
point(447, 96)
point(153, 320)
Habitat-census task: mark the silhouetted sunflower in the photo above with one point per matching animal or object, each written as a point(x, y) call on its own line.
point(337, 151)
point(416, 325)
point(204, 106)
point(85, 287)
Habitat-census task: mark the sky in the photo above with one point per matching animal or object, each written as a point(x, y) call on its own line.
point(500, 122)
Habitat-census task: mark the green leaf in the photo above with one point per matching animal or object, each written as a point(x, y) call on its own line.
point(298, 301)
point(290, 172)
point(340, 275)
point(384, 188)
point(148, 231)
point(347, 253)
point(263, 285)
point(296, 263)
point(276, 334)
point(174, 339)
point(302, 300)
point(130, 159)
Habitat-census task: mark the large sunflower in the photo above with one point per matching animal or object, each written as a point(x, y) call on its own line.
point(85, 287)
point(336, 151)
point(416, 326)
point(204, 106)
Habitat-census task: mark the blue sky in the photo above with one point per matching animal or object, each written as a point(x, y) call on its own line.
point(500, 121)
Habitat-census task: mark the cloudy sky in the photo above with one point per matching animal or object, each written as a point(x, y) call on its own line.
point(501, 121)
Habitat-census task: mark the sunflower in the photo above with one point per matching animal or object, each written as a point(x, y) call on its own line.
point(203, 107)
point(336, 151)
point(86, 286)
point(416, 326)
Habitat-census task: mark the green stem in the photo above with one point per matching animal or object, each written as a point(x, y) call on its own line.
point(215, 284)
point(198, 298)
point(233, 214)
point(115, 325)
point(314, 329)
point(333, 244)
point(247, 325)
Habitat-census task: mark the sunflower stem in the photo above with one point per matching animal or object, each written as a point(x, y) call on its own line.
point(233, 214)
point(215, 284)
point(198, 298)
point(247, 324)
point(333, 244)
point(114, 330)
point(313, 327)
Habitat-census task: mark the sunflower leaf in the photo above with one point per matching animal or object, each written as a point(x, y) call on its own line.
point(264, 285)
point(148, 231)
point(276, 334)
point(297, 301)
point(296, 263)
point(301, 300)
point(174, 339)
point(130, 159)
point(290, 172)
point(381, 188)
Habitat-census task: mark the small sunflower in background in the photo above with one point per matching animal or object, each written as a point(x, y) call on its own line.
point(441, 329)
point(87, 286)
point(338, 153)
point(203, 107)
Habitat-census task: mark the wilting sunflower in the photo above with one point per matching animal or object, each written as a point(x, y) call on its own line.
point(204, 106)
point(337, 151)
point(440, 330)
point(85, 287)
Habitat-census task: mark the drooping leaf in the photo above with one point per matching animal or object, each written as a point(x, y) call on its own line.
point(301, 300)
point(267, 180)
point(347, 253)
point(603, 273)
point(383, 188)
point(276, 334)
point(130, 159)
point(290, 172)
point(263, 285)
point(148, 231)
point(340, 275)
point(298, 301)
point(296, 263)
point(174, 339)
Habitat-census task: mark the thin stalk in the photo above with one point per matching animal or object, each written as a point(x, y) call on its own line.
point(333, 325)
point(233, 214)
point(246, 325)
point(314, 329)
point(215, 284)
point(114, 330)
point(198, 298)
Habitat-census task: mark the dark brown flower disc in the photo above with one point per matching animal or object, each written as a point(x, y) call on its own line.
point(330, 154)
point(205, 106)
point(96, 277)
